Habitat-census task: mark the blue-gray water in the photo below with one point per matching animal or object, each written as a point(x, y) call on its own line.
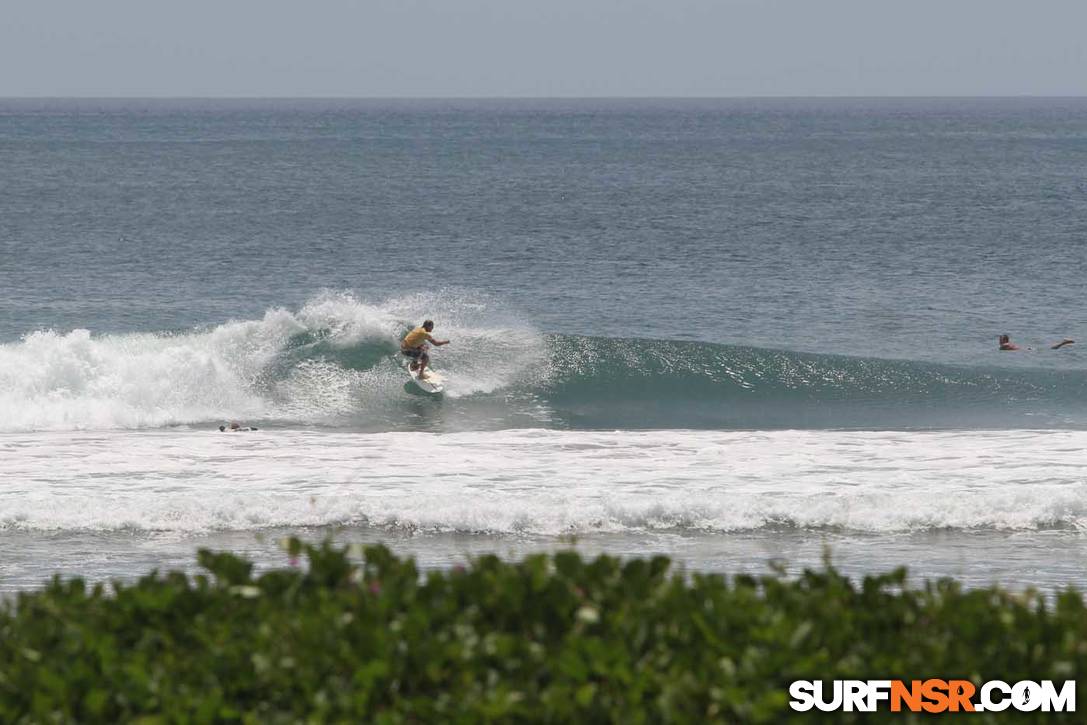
point(676, 269)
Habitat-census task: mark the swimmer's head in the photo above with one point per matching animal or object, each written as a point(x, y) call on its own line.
point(1004, 339)
point(428, 325)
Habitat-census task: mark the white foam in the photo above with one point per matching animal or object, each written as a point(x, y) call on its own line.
point(78, 381)
point(544, 482)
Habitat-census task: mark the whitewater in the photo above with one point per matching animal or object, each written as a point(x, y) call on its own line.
point(547, 483)
point(984, 506)
point(332, 357)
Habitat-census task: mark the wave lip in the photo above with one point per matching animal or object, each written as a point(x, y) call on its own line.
point(547, 483)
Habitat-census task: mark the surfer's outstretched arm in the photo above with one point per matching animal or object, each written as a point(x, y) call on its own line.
point(1061, 344)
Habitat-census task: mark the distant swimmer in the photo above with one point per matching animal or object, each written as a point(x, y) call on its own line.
point(1006, 344)
point(236, 427)
point(414, 346)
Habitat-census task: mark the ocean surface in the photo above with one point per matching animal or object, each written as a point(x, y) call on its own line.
point(733, 331)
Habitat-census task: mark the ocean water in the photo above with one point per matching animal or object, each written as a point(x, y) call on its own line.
point(732, 331)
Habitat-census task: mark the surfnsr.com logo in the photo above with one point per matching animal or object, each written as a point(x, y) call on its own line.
point(932, 695)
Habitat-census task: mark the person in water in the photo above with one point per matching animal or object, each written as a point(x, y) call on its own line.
point(235, 427)
point(414, 346)
point(1005, 343)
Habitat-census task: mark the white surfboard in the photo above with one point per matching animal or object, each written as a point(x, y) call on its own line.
point(431, 382)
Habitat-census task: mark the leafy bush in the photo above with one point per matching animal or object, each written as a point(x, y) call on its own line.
point(552, 638)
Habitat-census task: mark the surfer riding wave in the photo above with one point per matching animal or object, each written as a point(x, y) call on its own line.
point(414, 346)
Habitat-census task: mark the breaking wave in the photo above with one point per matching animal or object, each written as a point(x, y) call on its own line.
point(334, 362)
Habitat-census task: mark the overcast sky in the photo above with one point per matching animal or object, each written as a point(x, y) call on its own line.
point(542, 47)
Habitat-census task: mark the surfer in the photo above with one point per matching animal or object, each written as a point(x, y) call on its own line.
point(414, 346)
point(235, 427)
point(1006, 344)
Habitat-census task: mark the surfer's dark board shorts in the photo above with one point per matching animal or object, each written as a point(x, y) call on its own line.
point(414, 353)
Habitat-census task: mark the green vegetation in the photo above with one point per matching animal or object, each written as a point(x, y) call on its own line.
point(552, 638)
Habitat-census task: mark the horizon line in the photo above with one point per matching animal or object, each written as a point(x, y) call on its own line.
point(530, 98)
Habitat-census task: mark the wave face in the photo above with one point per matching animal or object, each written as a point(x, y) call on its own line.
point(597, 382)
point(334, 362)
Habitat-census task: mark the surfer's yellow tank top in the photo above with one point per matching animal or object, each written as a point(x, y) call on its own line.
point(415, 338)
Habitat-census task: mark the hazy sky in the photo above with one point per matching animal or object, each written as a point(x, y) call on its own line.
point(542, 47)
